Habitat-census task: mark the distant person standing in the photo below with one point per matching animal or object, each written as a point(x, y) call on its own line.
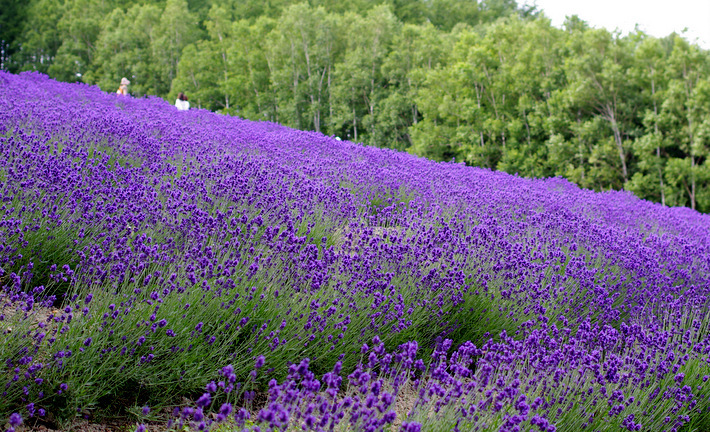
point(182, 103)
point(123, 88)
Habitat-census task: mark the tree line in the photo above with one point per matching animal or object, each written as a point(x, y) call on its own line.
point(491, 84)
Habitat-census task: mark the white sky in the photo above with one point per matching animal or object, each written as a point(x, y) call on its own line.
point(655, 17)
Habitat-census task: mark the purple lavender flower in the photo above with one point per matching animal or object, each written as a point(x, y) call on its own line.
point(15, 419)
point(259, 362)
point(204, 400)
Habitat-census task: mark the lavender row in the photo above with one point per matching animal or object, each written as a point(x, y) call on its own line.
point(148, 245)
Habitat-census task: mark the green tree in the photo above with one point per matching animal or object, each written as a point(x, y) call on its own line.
point(416, 49)
point(12, 14)
point(79, 28)
point(178, 27)
point(212, 59)
point(532, 69)
point(700, 112)
point(124, 48)
point(681, 120)
point(359, 85)
point(599, 84)
point(302, 53)
point(445, 14)
point(489, 104)
point(197, 77)
point(40, 37)
point(257, 97)
point(229, 71)
point(649, 73)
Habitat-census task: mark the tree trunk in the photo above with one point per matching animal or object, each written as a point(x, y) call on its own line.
point(415, 114)
point(330, 106)
point(580, 143)
point(660, 175)
point(658, 145)
point(692, 181)
point(372, 103)
point(688, 92)
point(611, 117)
point(692, 160)
point(295, 86)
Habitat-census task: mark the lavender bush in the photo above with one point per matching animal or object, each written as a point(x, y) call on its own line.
point(284, 280)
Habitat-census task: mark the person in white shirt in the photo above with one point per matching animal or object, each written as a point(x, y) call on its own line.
point(123, 88)
point(181, 102)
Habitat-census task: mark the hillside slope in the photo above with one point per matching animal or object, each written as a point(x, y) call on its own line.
point(178, 248)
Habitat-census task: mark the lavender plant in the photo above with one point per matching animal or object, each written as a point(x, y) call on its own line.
point(147, 255)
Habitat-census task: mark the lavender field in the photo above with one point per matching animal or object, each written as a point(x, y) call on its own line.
point(209, 272)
